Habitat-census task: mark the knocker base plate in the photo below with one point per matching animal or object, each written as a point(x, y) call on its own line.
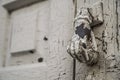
point(97, 13)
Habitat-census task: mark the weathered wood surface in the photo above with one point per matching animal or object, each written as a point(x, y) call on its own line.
point(57, 26)
point(59, 32)
point(3, 28)
point(107, 37)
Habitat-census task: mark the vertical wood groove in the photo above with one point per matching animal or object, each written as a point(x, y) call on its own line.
point(117, 26)
point(74, 61)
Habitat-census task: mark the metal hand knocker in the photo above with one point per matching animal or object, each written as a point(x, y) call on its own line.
point(83, 46)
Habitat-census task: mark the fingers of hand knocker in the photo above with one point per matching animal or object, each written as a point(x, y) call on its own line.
point(80, 53)
point(70, 49)
point(73, 48)
point(77, 51)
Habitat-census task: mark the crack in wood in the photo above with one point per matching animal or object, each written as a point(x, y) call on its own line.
point(104, 45)
point(117, 26)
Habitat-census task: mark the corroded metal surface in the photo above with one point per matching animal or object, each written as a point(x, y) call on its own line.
point(83, 46)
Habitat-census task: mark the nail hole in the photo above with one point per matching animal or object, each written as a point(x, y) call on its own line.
point(32, 51)
point(40, 59)
point(45, 38)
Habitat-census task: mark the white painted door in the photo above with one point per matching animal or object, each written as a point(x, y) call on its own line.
point(39, 35)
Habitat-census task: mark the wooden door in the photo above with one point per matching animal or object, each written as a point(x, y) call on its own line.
point(53, 21)
point(47, 27)
point(107, 37)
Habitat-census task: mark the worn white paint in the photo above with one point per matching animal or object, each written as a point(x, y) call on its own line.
point(59, 14)
point(107, 45)
point(25, 72)
point(3, 28)
point(54, 17)
point(23, 24)
point(60, 31)
point(37, 16)
point(11, 5)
